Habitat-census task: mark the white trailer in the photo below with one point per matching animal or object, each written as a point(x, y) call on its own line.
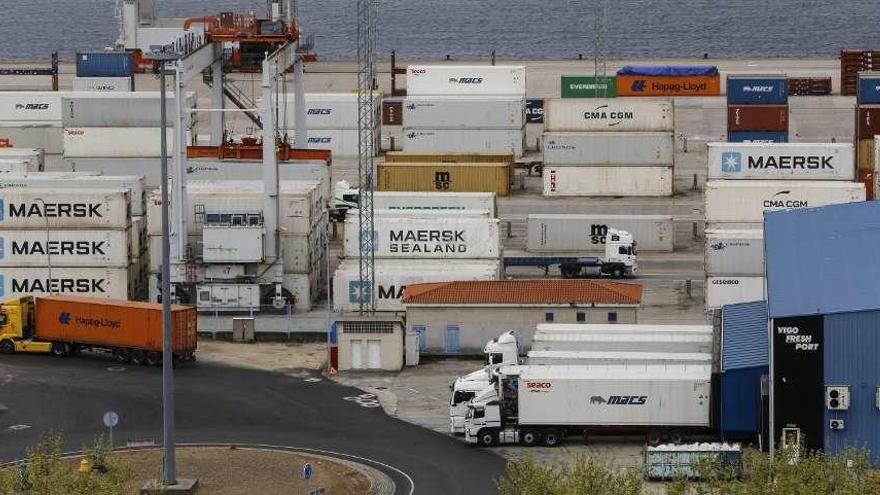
point(621, 329)
point(587, 358)
point(540, 404)
point(573, 233)
point(626, 342)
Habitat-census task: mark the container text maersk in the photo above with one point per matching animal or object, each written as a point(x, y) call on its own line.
point(58, 248)
point(448, 241)
point(59, 285)
point(55, 210)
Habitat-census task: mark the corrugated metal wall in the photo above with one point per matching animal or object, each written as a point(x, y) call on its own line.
point(744, 336)
point(741, 413)
point(852, 341)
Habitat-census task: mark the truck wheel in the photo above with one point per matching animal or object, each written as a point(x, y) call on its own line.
point(59, 349)
point(617, 273)
point(551, 438)
point(569, 271)
point(121, 355)
point(487, 438)
point(137, 357)
point(653, 438)
point(676, 437)
point(7, 347)
point(153, 358)
point(528, 438)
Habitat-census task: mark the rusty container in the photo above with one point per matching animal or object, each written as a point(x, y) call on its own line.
point(757, 118)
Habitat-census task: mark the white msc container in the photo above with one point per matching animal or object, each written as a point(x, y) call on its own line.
point(149, 168)
point(79, 281)
point(435, 201)
point(60, 209)
point(98, 248)
point(608, 181)
point(586, 358)
point(464, 112)
point(343, 143)
point(116, 142)
point(486, 141)
point(431, 237)
point(564, 233)
point(816, 161)
point(30, 106)
point(392, 277)
point(134, 109)
point(732, 290)
point(609, 148)
point(627, 342)
point(326, 110)
point(133, 183)
point(608, 114)
point(47, 135)
point(37, 156)
point(103, 84)
point(422, 80)
point(735, 252)
point(746, 201)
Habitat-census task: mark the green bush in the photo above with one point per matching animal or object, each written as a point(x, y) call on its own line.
point(584, 477)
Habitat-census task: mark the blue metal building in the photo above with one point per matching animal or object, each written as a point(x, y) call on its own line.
point(744, 364)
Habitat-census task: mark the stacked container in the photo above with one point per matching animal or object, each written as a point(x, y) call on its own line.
point(331, 120)
point(446, 172)
point(578, 234)
point(748, 179)
point(757, 109)
point(867, 126)
point(464, 109)
point(31, 119)
point(851, 63)
point(608, 147)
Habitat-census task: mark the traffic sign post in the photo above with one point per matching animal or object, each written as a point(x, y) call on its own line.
point(111, 419)
point(307, 472)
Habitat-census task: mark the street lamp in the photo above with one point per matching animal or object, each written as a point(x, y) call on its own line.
point(48, 251)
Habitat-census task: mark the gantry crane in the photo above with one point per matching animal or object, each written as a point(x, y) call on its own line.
point(366, 49)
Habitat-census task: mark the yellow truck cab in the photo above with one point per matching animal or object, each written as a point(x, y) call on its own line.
point(17, 327)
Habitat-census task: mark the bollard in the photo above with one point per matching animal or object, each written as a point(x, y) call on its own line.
point(509, 229)
point(695, 187)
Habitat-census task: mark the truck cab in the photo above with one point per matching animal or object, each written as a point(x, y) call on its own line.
point(620, 249)
point(17, 327)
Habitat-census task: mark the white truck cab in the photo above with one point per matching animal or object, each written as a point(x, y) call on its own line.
point(620, 249)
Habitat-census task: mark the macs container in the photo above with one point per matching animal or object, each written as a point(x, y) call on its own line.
point(30, 107)
point(423, 80)
point(570, 233)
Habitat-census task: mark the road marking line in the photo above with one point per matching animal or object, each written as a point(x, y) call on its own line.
point(18, 427)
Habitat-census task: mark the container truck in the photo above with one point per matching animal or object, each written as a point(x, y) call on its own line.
point(619, 260)
point(65, 325)
point(533, 405)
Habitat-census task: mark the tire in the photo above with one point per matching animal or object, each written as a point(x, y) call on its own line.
point(487, 438)
point(121, 356)
point(137, 357)
point(569, 271)
point(59, 349)
point(7, 347)
point(617, 273)
point(528, 438)
point(653, 438)
point(153, 358)
point(551, 438)
point(676, 437)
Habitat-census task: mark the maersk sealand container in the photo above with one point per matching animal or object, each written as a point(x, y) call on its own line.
point(757, 90)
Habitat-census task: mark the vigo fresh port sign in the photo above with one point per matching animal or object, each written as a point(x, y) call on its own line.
point(825, 161)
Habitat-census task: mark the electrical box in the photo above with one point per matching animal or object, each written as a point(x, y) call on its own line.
point(836, 424)
point(228, 297)
point(837, 398)
point(232, 244)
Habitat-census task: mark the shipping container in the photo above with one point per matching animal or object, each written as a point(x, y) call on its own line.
point(617, 115)
point(757, 137)
point(304, 253)
point(67, 248)
point(451, 177)
point(668, 85)
point(809, 86)
point(30, 106)
point(326, 110)
point(392, 277)
point(70, 208)
point(630, 342)
point(116, 142)
point(815, 161)
point(427, 236)
point(140, 109)
point(623, 149)
point(451, 202)
point(299, 286)
point(464, 112)
point(757, 90)
point(424, 80)
point(36, 156)
point(588, 87)
point(307, 170)
point(868, 88)
point(343, 143)
point(104, 64)
point(59, 181)
point(138, 237)
point(746, 201)
point(867, 121)
point(866, 155)
point(757, 118)
point(587, 358)
point(851, 63)
point(489, 141)
point(81, 281)
point(735, 252)
point(725, 290)
point(561, 233)
point(14, 167)
point(149, 168)
point(620, 328)
point(34, 135)
point(399, 156)
point(104, 84)
point(608, 181)
point(392, 113)
point(391, 138)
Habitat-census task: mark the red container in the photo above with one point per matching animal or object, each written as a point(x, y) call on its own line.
point(757, 118)
point(867, 122)
point(866, 177)
point(809, 86)
point(392, 113)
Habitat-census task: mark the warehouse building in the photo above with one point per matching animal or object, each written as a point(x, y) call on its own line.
point(458, 318)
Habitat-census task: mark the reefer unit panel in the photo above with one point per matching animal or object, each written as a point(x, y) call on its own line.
point(68, 248)
point(460, 80)
point(735, 252)
point(586, 233)
point(427, 237)
point(722, 290)
point(489, 141)
point(612, 115)
point(464, 112)
point(747, 201)
point(608, 181)
point(612, 149)
point(815, 161)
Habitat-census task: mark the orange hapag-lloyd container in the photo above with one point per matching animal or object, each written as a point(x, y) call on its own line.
point(114, 323)
point(669, 85)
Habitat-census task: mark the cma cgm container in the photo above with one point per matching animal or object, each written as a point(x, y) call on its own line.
point(450, 202)
point(721, 291)
point(757, 137)
point(812, 161)
point(69, 248)
point(611, 114)
point(93, 282)
point(491, 141)
point(104, 84)
point(53, 180)
point(607, 181)
point(757, 90)
point(30, 106)
point(452, 177)
point(104, 64)
point(559, 233)
point(70, 208)
point(392, 277)
point(735, 252)
point(757, 118)
point(464, 112)
point(140, 109)
point(116, 142)
point(746, 201)
point(457, 80)
point(604, 148)
point(432, 236)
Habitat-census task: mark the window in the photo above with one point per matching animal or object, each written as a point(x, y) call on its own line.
point(581, 317)
point(368, 327)
point(548, 316)
point(621, 250)
point(612, 317)
point(479, 413)
point(205, 296)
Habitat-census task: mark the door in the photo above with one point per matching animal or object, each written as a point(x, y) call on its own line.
point(423, 336)
point(452, 339)
point(357, 361)
point(374, 354)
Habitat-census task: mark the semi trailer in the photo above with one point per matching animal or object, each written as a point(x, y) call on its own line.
point(66, 325)
point(619, 260)
point(533, 405)
point(623, 342)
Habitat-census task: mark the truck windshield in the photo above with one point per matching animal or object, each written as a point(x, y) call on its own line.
point(461, 396)
point(494, 357)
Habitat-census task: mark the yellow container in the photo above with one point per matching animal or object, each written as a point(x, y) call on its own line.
point(402, 156)
point(452, 177)
point(866, 155)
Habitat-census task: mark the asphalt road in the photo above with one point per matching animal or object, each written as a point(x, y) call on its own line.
point(224, 404)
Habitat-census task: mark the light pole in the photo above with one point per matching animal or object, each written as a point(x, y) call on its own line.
point(327, 288)
point(48, 251)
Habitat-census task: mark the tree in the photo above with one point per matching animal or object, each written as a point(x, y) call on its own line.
point(584, 477)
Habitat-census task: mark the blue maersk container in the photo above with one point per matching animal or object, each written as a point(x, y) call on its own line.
point(765, 90)
point(868, 89)
point(744, 360)
point(757, 137)
point(104, 64)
